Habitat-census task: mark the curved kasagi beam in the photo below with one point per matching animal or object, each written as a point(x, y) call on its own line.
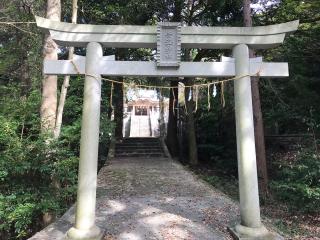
point(130, 36)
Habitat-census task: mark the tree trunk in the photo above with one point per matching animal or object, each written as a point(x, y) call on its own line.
point(172, 130)
point(172, 127)
point(49, 83)
point(161, 115)
point(118, 109)
point(49, 91)
point(191, 130)
point(257, 113)
point(65, 85)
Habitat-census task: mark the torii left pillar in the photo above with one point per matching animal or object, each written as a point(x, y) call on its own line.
point(85, 228)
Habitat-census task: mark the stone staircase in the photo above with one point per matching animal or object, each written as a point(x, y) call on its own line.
point(140, 126)
point(145, 147)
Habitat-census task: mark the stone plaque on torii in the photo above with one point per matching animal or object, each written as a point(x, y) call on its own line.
point(168, 44)
point(168, 38)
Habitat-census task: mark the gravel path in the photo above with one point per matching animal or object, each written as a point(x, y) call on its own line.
point(155, 198)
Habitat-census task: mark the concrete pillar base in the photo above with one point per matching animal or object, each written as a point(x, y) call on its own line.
point(240, 232)
point(93, 233)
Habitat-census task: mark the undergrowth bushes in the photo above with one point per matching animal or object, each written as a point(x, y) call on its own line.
point(38, 178)
point(298, 182)
point(28, 190)
point(29, 164)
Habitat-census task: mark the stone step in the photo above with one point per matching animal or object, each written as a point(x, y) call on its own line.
point(144, 141)
point(138, 147)
point(139, 141)
point(146, 155)
point(138, 144)
point(140, 126)
point(130, 149)
point(144, 151)
point(139, 152)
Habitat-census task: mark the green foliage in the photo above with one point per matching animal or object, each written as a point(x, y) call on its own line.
point(37, 176)
point(217, 146)
point(28, 163)
point(298, 182)
point(16, 213)
point(288, 102)
point(290, 106)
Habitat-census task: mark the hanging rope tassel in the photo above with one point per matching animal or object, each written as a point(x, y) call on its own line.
point(223, 102)
point(209, 104)
point(111, 96)
point(190, 94)
point(173, 102)
point(195, 96)
point(181, 94)
point(214, 92)
point(185, 103)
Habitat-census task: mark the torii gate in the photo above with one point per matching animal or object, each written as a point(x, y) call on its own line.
point(168, 38)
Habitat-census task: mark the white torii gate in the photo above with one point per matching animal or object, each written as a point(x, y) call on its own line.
point(168, 38)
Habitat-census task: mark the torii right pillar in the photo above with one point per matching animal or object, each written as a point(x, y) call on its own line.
point(250, 226)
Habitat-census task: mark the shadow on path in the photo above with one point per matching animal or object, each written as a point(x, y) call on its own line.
point(155, 198)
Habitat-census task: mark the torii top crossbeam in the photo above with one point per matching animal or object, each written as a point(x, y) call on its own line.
point(129, 36)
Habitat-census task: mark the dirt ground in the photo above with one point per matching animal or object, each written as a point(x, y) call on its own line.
point(155, 198)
